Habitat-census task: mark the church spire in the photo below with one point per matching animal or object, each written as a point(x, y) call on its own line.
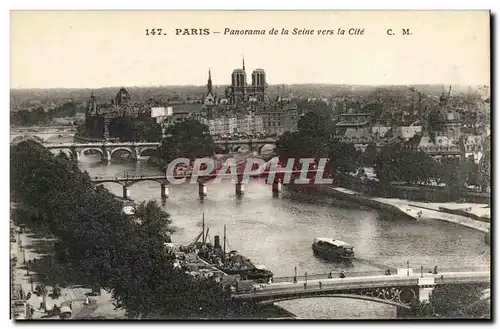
point(243, 63)
point(209, 82)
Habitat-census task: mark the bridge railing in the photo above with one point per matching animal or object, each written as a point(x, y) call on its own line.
point(413, 272)
point(336, 274)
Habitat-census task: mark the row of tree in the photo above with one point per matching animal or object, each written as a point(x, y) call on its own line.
point(124, 254)
point(126, 128)
point(39, 115)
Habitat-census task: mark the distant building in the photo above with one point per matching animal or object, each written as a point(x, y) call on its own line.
point(449, 124)
point(359, 137)
point(241, 92)
point(380, 131)
point(354, 119)
point(440, 147)
point(473, 147)
point(406, 132)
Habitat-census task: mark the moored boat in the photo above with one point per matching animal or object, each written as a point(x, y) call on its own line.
point(331, 248)
point(231, 263)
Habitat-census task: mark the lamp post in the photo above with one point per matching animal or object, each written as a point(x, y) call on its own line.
point(421, 271)
point(408, 268)
point(24, 256)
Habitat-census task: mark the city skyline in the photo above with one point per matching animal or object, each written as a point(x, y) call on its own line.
point(72, 50)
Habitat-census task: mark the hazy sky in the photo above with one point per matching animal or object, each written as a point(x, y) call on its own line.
point(90, 49)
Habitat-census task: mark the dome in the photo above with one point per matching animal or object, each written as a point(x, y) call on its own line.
point(448, 115)
point(258, 71)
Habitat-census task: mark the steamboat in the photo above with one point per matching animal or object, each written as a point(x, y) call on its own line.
point(334, 249)
point(229, 262)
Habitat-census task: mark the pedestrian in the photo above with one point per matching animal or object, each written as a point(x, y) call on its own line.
point(435, 270)
point(442, 277)
point(305, 285)
point(320, 285)
point(87, 301)
point(71, 305)
point(41, 305)
point(330, 275)
point(32, 311)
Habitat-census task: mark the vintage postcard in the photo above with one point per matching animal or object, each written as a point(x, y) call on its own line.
point(250, 165)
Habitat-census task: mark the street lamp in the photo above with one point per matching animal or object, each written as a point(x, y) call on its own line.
point(421, 271)
point(408, 267)
point(295, 277)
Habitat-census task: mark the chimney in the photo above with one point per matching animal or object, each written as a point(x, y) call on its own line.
point(217, 241)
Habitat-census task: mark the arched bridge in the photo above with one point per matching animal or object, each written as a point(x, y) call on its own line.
point(136, 150)
point(254, 145)
point(76, 150)
point(275, 178)
point(399, 290)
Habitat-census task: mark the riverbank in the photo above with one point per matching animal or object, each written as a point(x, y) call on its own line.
point(409, 209)
point(33, 263)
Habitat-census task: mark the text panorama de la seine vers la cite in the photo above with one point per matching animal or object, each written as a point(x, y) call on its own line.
point(273, 31)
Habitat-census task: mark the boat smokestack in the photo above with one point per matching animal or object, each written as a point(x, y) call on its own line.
point(216, 241)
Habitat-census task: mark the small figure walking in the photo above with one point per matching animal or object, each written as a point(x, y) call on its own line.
point(71, 305)
point(330, 275)
point(32, 311)
point(435, 270)
point(305, 285)
point(320, 284)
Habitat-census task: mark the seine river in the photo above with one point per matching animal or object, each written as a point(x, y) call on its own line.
point(278, 232)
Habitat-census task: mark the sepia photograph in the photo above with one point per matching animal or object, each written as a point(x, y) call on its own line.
point(250, 165)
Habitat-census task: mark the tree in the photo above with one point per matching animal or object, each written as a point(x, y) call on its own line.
point(369, 156)
point(454, 301)
point(311, 140)
point(343, 158)
point(407, 166)
point(187, 139)
point(453, 174)
point(485, 171)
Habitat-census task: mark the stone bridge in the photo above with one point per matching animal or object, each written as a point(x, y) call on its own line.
point(254, 145)
point(76, 150)
point(136, 150)
point(399, 290)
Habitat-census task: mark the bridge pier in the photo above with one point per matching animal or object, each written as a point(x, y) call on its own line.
point(165, 193)
point(106, 156)
point(277, 188)
point(126, 192)
point(202, 189)
point(240, 189)
point(425, 288)
point(76, 155)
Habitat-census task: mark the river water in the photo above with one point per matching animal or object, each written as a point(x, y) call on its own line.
point(278, 232)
